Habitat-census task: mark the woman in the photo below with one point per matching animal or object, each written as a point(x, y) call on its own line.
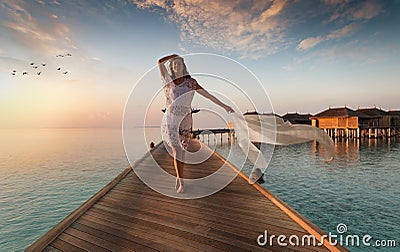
point(179, 88)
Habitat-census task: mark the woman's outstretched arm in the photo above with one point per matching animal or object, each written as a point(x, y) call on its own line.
point(212, 98)
point(161, 62)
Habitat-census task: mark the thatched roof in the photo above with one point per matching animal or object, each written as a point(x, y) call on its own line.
point(257, 113)
point(336, 112)
point(394, 112)
point(372, 112)
point(296, 117)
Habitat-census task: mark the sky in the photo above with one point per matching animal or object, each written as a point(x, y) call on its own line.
point(307, 55)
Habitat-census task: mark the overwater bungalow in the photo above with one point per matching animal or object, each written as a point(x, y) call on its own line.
point(375, 122)
point(296, 118)
point(337, 122)
point(345, 122)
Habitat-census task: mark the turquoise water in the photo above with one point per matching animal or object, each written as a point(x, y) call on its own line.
point(47, 173)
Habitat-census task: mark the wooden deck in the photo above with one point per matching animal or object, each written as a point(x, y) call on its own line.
point(126, 215)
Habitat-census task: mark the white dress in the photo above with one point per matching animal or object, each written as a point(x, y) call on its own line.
point(177, 121)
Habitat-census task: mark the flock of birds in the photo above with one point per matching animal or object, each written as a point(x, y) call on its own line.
point(42, 65)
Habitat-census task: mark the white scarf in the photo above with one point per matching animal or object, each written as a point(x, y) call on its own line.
point(273, 130)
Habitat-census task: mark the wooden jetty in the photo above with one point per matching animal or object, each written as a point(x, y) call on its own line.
point(126, 215)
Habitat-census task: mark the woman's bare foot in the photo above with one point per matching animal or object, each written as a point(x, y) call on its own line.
point(179, 185)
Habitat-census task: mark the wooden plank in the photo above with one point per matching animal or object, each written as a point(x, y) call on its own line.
point(153, 239)
point(222, 214)
point(116, 239)
point(171, 240)
point(187, 224)
point(114, 235)
point(100, 242)
point(244, 202)
point(65, 246)
point(213, 201)
point(51, 249)
point(194, 239)
point(126, 235)
point(77, 242)
point(194, 224)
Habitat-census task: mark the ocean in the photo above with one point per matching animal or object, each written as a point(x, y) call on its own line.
point(48, 173)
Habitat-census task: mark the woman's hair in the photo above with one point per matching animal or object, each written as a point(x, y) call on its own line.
point(185, 71)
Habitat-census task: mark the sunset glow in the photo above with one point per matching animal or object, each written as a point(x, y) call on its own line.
point(308, 56)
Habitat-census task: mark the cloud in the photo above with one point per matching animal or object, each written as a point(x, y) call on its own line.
point(354, 11)
point(310, 42)
point(353, 52)
point(349, 12)
point(42, 33)
point(343, 32)
point(335, 2)
point(247, 27)
point(255, 29)
point(367, 10)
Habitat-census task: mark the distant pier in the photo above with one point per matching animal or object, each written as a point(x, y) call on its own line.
point(203, 134)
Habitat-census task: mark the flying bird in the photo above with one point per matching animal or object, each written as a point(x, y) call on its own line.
point(65, 72)
point(43, 64)
point(63, 55)
point(13, 73)
point(39, 73)
point(58, 69)
point(24, 73)
point(32, 64)
point(35, 67)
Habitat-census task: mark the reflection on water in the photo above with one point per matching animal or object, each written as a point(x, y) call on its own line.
point(47, 173)
point(359, 187)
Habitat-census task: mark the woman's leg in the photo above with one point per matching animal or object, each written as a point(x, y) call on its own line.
point(178, 158)
point(179, 165)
